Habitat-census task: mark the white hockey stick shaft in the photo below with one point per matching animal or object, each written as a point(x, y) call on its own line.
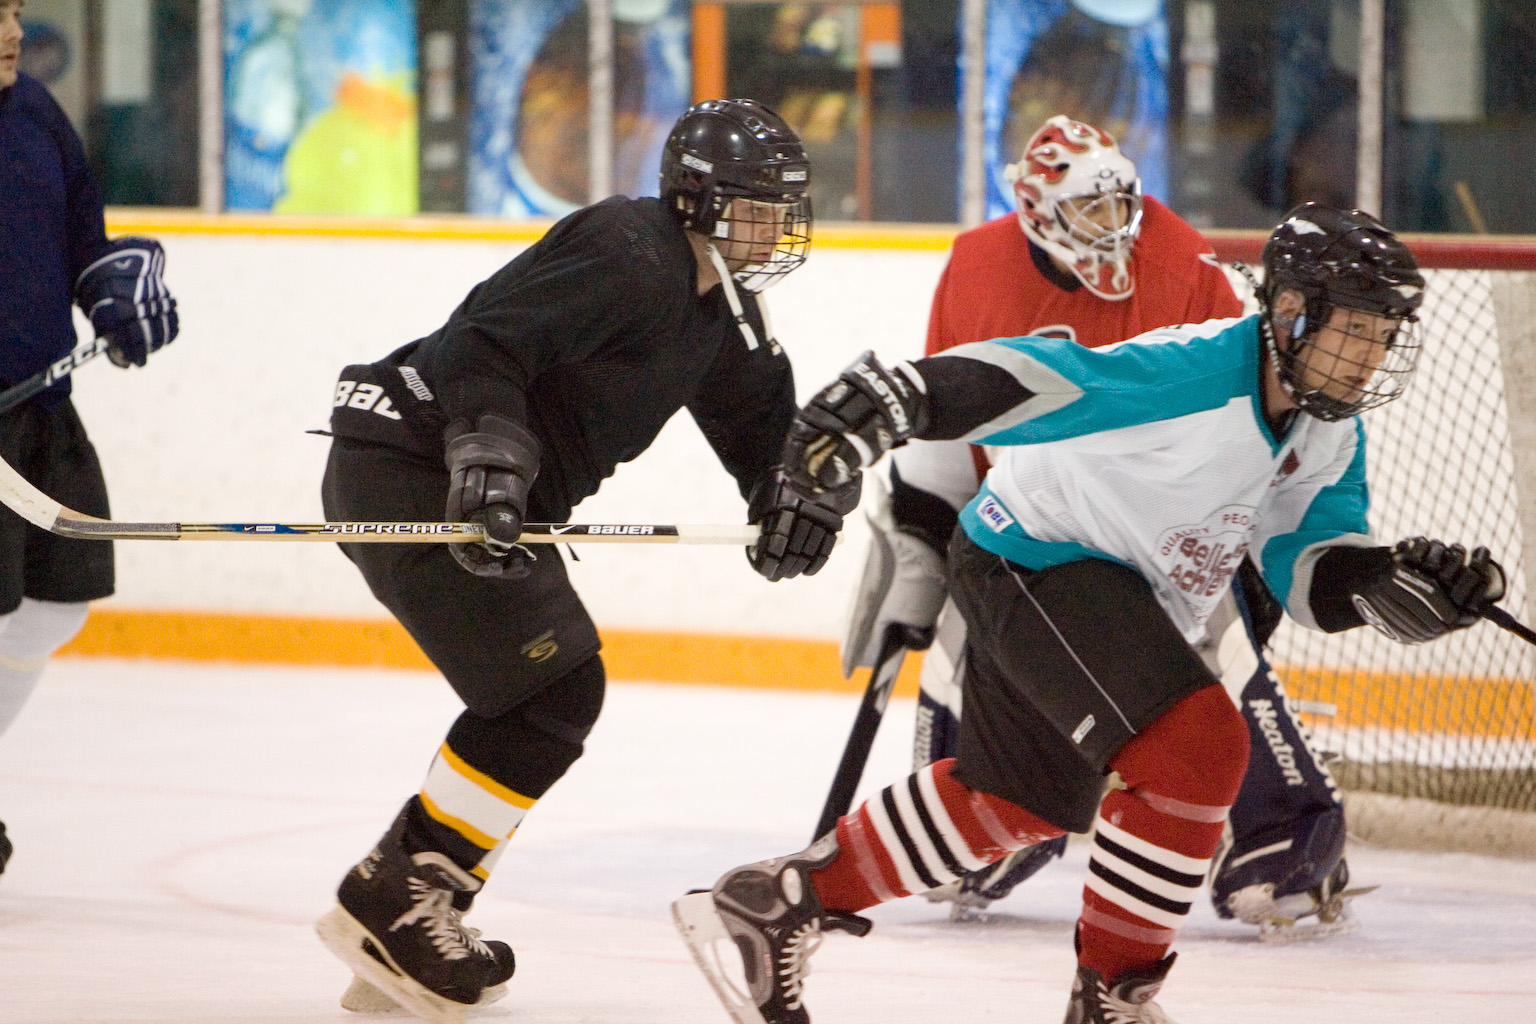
point(55, 372)
point(42, 511)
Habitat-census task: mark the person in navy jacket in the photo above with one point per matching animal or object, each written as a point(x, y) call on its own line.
point(54, 252)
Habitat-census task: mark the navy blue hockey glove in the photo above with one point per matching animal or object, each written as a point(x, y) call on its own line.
point(492, 468)
point(1434, 589)
point(853, 421)
point(124, 295)
point(797, 533)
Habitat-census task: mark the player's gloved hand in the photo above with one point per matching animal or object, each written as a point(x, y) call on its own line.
point(492, 468)
point(902, 587)
point(797, 534)
point(124, 295)
point(1434, 589)
point(853, 421)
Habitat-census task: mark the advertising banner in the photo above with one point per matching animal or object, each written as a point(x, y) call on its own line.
point(1100, 61)
point(528, 121)
point(320, 106)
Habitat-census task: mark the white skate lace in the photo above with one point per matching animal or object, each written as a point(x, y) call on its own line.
point(434, 909)
point(1121, 1011)
point(794, 962)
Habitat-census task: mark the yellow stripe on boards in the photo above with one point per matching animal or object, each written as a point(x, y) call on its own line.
point(1442, 704)
point(459, 825)
point(159, 223)
point(759, 661)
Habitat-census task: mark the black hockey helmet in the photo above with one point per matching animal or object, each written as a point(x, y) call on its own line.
point(1338, 258)
point(721, 150)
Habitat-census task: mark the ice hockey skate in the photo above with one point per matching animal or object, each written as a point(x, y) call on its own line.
point(364, 997)
point(6, 849)
point(1288, 918)
point(753, 934)
point(396, 926)
point(1127, 1001)
point(970, 896)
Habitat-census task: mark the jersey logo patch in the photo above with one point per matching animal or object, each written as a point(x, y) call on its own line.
point(994, 515)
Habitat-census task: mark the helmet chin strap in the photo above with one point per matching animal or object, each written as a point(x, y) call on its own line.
point(728, 282)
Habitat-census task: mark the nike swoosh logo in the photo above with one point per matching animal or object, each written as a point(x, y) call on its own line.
point(557, 530)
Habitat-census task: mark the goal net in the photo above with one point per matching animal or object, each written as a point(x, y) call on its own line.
point(1447, 728)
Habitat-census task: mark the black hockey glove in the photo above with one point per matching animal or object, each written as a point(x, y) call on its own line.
point(797, 533)
point(124, 295)
point(853, 421)
point(1433, 590)
point(492, 469)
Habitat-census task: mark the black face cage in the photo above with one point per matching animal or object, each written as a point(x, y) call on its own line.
point(1310, 389)
point(763, 238)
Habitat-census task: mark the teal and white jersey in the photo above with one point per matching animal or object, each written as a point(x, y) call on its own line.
point(1155, 453)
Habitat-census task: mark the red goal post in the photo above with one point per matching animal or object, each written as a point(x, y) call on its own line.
point(1435, 745)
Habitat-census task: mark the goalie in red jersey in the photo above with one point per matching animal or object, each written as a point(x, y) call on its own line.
point(1087, 257)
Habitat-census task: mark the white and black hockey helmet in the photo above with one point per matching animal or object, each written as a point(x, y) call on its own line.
point(1341, 259)
point(1079, 199)
point(723, 150)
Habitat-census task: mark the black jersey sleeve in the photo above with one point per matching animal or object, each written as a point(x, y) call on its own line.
point(601, 274)
point(745, 405)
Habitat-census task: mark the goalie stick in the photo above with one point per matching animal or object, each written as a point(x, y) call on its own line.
point(42, 511)
point(882, 679)
point(55, 372)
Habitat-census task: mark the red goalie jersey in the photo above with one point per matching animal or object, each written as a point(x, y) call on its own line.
point(993, 288)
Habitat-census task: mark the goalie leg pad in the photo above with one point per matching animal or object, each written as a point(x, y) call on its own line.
point(937, 735)
point(1287, 826)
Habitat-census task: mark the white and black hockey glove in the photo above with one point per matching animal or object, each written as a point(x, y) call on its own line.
point(124, 295)
point(903, 587)
point(851, 422)
point(492, 469)
point(797, 533)
point(1433, 590)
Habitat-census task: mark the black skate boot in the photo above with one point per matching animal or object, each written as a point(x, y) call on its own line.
point(753, 934)
point(395, 924)
point(6, 849)
point(1127, 1001)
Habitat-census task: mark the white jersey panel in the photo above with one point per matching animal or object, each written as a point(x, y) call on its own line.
point(1181, 499)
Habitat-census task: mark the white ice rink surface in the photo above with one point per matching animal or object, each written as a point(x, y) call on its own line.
point(179, 827)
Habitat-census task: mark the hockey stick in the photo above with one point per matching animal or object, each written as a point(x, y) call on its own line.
point(42, 511)
point(56, 371)
point(882, 678)
point(1499, 617)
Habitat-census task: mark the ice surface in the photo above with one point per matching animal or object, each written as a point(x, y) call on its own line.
point(179, 827)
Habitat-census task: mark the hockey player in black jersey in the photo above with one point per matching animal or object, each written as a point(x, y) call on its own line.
point(561, 365)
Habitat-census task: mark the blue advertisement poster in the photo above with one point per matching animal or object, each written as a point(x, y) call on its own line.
point(320, 106)
point(1100, 61)
point(528, 138)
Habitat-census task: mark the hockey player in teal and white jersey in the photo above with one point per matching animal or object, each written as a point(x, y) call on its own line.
point(1132, 481)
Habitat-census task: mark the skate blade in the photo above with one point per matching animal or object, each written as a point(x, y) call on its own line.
point(364, 997)
point(343, 936)
point(716, 954)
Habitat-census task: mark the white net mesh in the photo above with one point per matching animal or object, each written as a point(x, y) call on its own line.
point(1450, 721)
